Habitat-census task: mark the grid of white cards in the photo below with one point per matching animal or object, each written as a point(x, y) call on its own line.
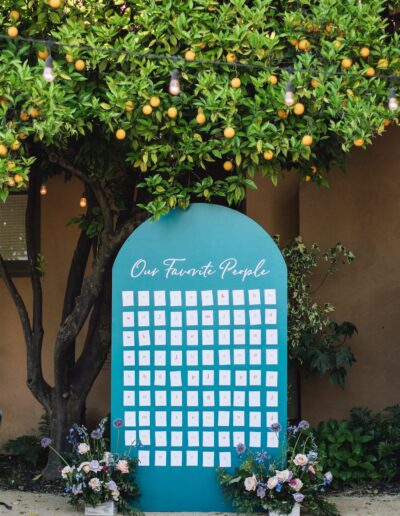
point(199, 374)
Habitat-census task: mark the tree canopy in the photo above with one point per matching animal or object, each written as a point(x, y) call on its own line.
point(110, 109)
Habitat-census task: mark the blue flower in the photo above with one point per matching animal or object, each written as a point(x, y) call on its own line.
point(240, 448)
point(118, 423)
point(96, 434)
point(278, 488)
point(276, 427)
point(45, 442)
point(303, 425)
point(112, 486)
point(261, 491)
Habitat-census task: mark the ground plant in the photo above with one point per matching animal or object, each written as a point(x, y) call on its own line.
point(154, 104)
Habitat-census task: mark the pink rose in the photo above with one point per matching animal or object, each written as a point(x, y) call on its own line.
point(272, 482)
point(300, 460)
point(296, 484)
point(122, 466)
point(250, 483)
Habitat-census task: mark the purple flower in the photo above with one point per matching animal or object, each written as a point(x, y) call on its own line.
point(96, 434)
point(276, 427)
point(298, 497)
point(240, 448)
point(111, 485)
point(261, 491)
point(303, 425)
point(118, 423)
point(94, 466)
point(45, 442)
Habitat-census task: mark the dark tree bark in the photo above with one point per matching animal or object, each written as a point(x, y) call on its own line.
point(87, 299)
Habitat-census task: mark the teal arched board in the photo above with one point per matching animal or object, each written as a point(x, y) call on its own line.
point(199, 351)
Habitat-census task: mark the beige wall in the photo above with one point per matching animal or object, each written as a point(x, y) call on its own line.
point(21, 412)
point(361, 209)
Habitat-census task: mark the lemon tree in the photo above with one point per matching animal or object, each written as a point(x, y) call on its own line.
point(111, 118)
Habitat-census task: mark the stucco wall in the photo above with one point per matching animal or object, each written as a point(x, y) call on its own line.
point(361, 209)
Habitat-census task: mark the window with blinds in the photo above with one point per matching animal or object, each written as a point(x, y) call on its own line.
point(12, 234)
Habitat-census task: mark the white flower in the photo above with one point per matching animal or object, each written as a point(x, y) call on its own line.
point(284, 476)
point(95, 484)
point(328, 476)
point(66, 470)
point(84, 466)
point(83, 448)
point(108, 458)
point(122, 466)
point(300, 460)
point(250, 483)
point(296, 484)
point(272, 482)
point(115, 495)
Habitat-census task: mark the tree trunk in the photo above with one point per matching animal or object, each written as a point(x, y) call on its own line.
point(65, 412)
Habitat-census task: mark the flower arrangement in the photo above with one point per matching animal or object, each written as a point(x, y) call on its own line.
point(92, 474)
point(262, 483)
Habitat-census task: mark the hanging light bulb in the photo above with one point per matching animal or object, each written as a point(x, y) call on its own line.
point(83, 201)
point(43, 189)
point(289, 95)
point(174, 85)
point(48, 72)
point(393, 103)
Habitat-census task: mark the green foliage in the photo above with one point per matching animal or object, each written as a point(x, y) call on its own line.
point(364, 448)
point(27, 447)
point(316, 342)
point(347, 452)
point(260, 484)
point(78, 114)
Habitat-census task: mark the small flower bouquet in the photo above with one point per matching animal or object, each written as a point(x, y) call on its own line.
point(93, 475)
point(260, 483)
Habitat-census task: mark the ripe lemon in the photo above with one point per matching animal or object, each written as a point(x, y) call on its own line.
point(268, 155)
point(346, 62)
point(272, 79)
point(22, 136)
point(35, 113)
point(18, 178)
point(190, 55)
point(236, 82)
point(282, 113)
point(11, 183)
point(55, 4)
point(359, 142)
point(201, 119)
point(313, 169)
point(294, 42)
point(230, 57)
point(43, 54)
point(386, 122)
point(172, 112)
point(10, 165)
point(3, 150)
point(383, 63)
point(314, 83)
point(308, 179)
point(147, 109)
point(364, 52)
point(155, 101)
point(229, 132)
point(370, 71)
point(329, 27)
point(228, 166)
point(24, 116)
point(307, 140)
point(129, 106)
point(337, 43)
point(202, 45)
point(69, 58)
point(120, 134)
point(15, 15)
point(298, 108)
point(80, 65)
point(304, 44)
point(16, 145)
point(12, 32)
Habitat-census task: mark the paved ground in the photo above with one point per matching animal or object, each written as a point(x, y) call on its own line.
point(33, 504)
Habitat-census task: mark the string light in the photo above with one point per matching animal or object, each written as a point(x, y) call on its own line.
point(174, 85)
point(83, 201)
point(48, 72)
point(289, 95)
point(43, 189)
point(393, 103)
